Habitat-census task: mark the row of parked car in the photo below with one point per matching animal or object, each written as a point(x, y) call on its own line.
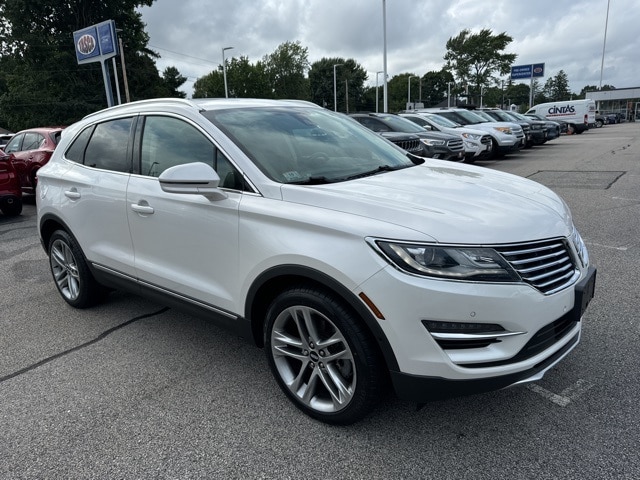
point(460, 134)
point(21, 156)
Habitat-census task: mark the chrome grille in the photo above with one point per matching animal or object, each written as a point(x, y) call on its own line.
point(547, 266)
point(413, 146)
point(455, 145)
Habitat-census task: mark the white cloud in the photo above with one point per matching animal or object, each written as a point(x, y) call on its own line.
point(563, 34)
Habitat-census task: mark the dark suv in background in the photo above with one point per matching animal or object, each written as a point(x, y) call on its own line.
point(435, 144)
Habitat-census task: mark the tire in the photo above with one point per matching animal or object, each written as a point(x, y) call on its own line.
point(321, 356)
point(571, 129)
point(599, 124)
point(12, 207)
point(71, 273)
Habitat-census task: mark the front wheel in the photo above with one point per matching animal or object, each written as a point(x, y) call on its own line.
point(71, 273)
point(321, 356)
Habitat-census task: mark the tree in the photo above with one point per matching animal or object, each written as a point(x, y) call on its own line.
point(286, 70)
point(557, 88)
point(173, 81)
point(350, 74)
point(435, 87)
point(43, 84)
point(474, 58)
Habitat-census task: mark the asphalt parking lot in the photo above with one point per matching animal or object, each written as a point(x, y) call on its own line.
point(131, 389)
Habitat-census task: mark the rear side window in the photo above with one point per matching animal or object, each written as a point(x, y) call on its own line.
point(108, 146)
point(32, 141)
point(76, 151)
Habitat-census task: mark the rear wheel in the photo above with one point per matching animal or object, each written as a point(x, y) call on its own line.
point(71, 273)
point(599, 123)
point(322, 358)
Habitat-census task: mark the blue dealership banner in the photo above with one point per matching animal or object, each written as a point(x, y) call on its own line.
point(96, 43)
point(520, 72)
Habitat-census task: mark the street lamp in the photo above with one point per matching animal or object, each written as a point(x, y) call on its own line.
point(409, 89)
point(224, 72)
point(481, 94)
point(377, 97)
point(384, 56)
point(449, 94)
point(335, 91)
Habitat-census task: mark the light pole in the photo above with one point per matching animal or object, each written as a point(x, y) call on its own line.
point(448, 94)
point(224, 72)
point(335, 91)
point(481, 94)
point(384, 55)
point(377, 97)
point(604, 44)
point(409, 89)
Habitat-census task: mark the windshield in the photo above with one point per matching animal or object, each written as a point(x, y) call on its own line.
point(308, 145)
point(442, 121)
point(499, 115)
point(400, 124)
point(466, 117)
point(483, 116)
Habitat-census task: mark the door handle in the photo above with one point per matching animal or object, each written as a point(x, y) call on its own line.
point(72, 194)
point(143, 209)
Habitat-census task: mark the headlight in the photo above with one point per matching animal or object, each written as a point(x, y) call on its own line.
point(506, 130)
point(432, 143)
point(453, 263)
point(472, 136)
point(581, 248)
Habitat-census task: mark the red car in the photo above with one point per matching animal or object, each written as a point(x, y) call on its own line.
point(31, 149)
point(10, 192)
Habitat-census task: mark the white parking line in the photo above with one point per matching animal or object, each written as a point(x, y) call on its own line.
point(565, 397)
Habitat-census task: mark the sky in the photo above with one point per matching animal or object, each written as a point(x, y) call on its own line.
point(565, 35)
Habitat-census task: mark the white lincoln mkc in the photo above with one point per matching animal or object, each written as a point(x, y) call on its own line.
point(354, 264)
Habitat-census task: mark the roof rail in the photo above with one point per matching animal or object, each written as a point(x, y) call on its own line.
point(124, 106)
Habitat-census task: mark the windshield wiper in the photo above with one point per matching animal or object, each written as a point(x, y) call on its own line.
point(381, 168)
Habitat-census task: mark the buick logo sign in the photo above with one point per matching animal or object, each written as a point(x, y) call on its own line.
point(538, 70)
point(86, 44)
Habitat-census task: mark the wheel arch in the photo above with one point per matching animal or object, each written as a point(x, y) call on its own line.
point(48, 225)
point(278, 279)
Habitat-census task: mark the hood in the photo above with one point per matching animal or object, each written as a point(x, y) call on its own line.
point(436, 135)
point(447, 203)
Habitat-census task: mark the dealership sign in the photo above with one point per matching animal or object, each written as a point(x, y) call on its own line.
point(521, 72)
point(96, 43)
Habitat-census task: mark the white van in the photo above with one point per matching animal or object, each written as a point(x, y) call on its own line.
point(578, 114)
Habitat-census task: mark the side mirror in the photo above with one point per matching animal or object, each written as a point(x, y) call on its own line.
point(192, 178)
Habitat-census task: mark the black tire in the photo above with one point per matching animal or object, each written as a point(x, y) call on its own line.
point(599, 123)
point(70, 272)
point(321, 356)
point(12, 207)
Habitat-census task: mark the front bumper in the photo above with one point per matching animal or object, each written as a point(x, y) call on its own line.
point(426, 371)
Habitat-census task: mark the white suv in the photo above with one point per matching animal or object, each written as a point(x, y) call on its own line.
point(352, 262)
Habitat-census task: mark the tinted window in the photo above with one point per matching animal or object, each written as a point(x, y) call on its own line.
point(79, 145)
point(14, 144)
point(107, 148)
point(168, 141)
point(32, 141)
